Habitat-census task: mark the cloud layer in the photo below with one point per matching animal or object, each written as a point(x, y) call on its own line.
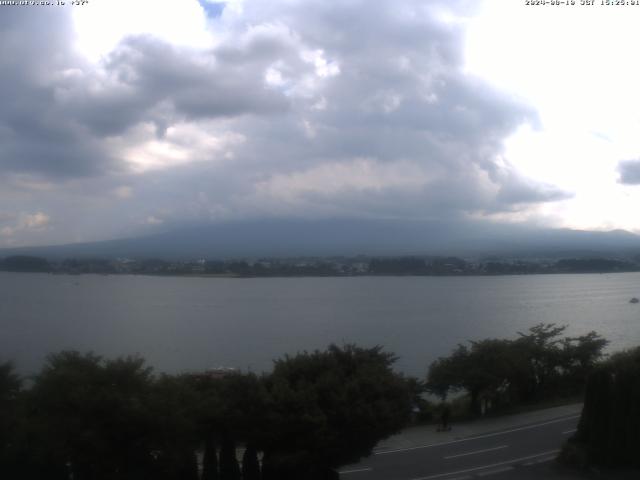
point(294, 108)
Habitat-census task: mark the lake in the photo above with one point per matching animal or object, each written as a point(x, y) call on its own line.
point(186, 323)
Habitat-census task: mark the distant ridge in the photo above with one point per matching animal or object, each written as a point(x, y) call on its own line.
point(333, 237)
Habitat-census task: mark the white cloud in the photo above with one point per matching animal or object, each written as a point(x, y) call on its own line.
point(583, 83)
point(356, 175)
point(103, 24)
point(34, 221)
point(323, 67)
point(23, 223)
point(181, 144)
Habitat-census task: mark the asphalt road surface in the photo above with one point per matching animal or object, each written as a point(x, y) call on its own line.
point(515, 452)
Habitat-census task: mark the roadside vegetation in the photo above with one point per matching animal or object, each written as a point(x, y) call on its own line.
point(542, 366)
point(608, 434)
point(90, 418)
point(497, 374)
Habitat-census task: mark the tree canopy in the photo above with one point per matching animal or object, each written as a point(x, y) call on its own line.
point(609, 429)
point(538, 364)
point(100, 419)
point(114, 419)
point(336, 404)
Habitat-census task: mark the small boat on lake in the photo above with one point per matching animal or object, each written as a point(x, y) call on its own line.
point(634, 300)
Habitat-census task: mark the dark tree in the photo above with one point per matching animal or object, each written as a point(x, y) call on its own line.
point(609, 429)
point(250, 464)
point(230, 410)
point(24, 263)
point(537, 365)
point(542, 347)
point(582, 265)
point(484, 371)
point(210, 459)
point(229, 468)
point(174, 432)
point(580, 356)
point(446, 373)
point(92, 416)
point(10, 421)
point(331, 408)
point(398, 266)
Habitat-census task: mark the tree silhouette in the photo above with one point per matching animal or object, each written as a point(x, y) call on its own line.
point(537, 365)
point(609, 428)
point(329, 408)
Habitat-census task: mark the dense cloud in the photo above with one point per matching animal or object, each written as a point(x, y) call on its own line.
point(306, 109)
point(148, 80)
point(37, 134)
point(629, 172)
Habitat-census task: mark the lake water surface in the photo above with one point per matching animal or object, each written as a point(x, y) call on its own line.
point(185, 323)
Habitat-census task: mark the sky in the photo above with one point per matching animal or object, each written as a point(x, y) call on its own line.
point(120, 118)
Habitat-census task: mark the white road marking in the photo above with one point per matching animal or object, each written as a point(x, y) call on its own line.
point(542, 460)
point(495, 471)
point(475, 452)
point(545, 460)
point(468, 439)
point(359, 470)
point(484, 467)
point(567, 432)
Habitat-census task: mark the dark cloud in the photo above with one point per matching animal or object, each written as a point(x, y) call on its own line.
point(335, 109)
point(36, 134)
point(400, 95)
point(57, 108)
point(629, 172)
point(147, 74)
point(518, 191)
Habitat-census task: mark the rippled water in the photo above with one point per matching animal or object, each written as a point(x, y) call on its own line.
point(181, 323)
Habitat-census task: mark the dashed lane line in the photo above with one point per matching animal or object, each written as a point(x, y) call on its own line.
point(359, 470)
point(541, 460)
point(476, 452)
point(468, 439)
point(485, 467)
point(495, 471)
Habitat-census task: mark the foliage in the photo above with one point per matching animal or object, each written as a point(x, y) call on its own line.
point(609, 428)
point(250, 464)
point(418, 266)
point(229, 468)
point(10, 386)
point(25, 263)
point(90, 418)
point(336, 404)
point(537, 365)
point(584, 265)
point(210, 459)
point(98, 419)
point(228, 409)
point(173, 427)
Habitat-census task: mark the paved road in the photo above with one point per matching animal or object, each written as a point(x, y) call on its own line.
point(517, 450)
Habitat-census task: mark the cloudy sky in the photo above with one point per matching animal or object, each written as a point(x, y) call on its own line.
point(122, 117)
